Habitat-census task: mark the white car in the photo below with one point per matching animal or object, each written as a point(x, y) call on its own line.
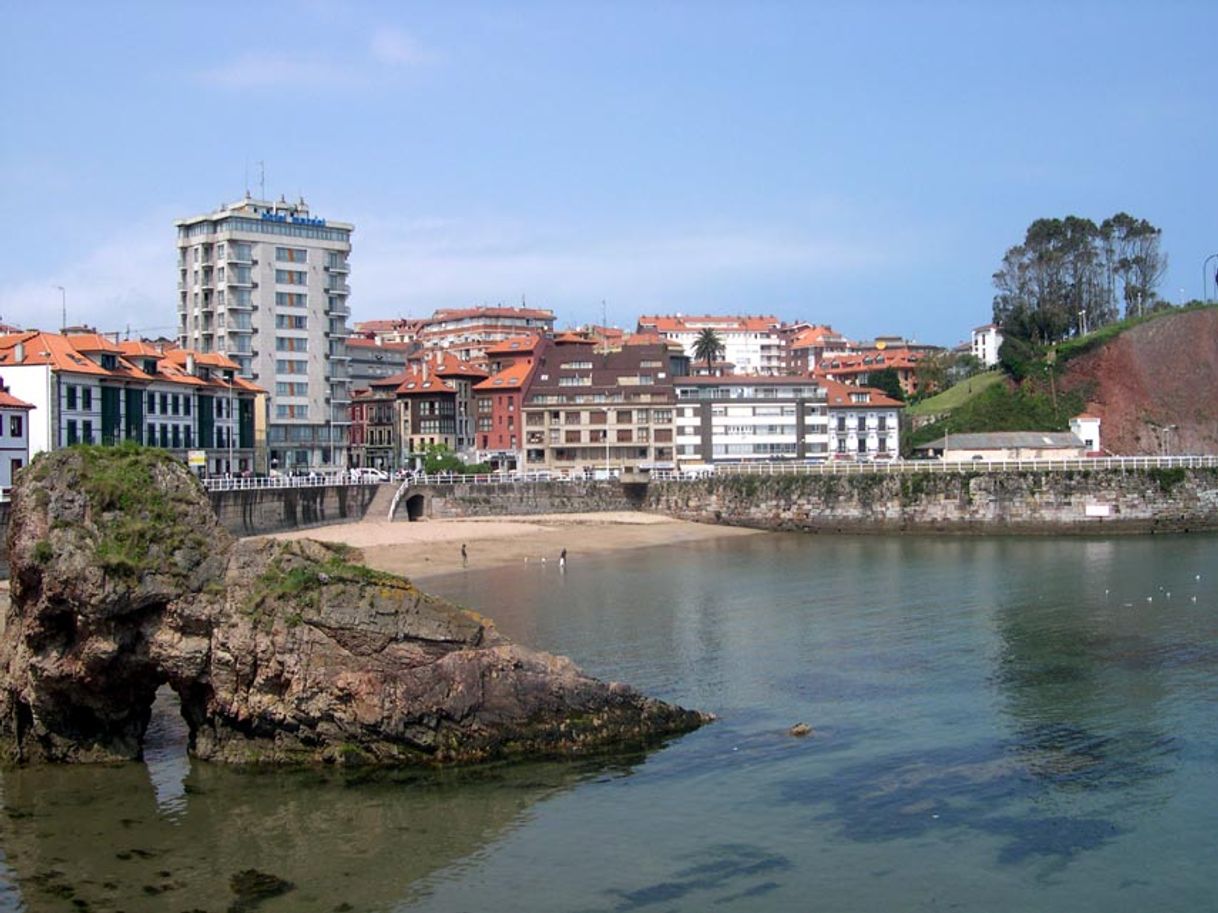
point(369, 474)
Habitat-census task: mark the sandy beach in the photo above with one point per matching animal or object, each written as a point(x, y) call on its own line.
point(433, 547)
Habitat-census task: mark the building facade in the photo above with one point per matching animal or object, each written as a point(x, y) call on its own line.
point(743, 419)
point(467, 333)
point(588, 411)
point(14, 436)
point(752, 345)
point(88, 389)
point(266, 284)
point(864, 424)
point(986, 342)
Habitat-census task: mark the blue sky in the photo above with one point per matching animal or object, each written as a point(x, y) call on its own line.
point(860, 164)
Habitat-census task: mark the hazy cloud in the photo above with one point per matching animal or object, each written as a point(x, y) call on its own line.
point(388, 48)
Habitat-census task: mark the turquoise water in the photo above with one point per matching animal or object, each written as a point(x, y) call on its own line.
point(999, 724)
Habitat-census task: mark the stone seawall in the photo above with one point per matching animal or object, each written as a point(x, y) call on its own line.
point(442, 502)
point(1084, 501)
point(269, 510)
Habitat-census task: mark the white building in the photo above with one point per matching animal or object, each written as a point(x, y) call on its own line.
point(864, 424)
point(751, 345)
point(14, 436)
point(986, 341)
point(1087, 428)
point(741, 419)
point(266, 284)
point(87, 389)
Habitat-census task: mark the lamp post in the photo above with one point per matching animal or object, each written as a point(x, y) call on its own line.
point(1205, 278)
point(63, 306)
point(232, 382)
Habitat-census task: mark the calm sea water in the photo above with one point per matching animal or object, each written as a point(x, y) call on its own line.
point(1000, 724)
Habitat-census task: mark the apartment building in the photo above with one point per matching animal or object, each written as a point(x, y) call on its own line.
point(751, 345)
point(742, 419)
point(986, 341)
point(588, 411)
point(864, 424)
point(467, 333)
point(807, 348)
point(265, 284)
point(88, 389)
point(372, 360)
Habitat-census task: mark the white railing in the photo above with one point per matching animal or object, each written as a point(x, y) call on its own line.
point(832, 467)
point(318, 480)
point(897, 467)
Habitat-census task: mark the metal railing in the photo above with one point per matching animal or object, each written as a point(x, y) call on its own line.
point(839, 467)
point(899, 467)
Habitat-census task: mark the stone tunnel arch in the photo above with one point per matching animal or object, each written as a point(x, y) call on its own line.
point(416, 506)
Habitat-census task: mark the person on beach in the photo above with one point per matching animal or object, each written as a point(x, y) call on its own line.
point(562, 560)
point(464, 556)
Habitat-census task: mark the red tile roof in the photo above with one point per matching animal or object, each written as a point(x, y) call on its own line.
point(512, 378)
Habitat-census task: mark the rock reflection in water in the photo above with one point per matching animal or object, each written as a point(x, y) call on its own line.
point(96, 838)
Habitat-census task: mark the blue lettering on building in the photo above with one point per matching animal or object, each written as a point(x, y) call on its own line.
point(295, 220)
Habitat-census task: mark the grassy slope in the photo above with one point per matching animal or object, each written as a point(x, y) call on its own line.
point(956, 396)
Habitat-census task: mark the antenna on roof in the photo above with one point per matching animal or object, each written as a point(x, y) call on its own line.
point(261, 179)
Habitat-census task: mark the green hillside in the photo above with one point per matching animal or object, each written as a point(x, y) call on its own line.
point(954, 397)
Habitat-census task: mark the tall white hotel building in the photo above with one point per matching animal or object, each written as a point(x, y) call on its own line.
point(266, 284)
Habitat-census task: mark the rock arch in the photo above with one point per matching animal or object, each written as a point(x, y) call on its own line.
point(123, 579)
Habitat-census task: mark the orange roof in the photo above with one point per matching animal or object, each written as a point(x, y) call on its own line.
point(643, 339)
point(816, 336)
point(873, 360)
point(139, 348)
point(450, 366)
point(48, 349)
point(689, 323)
point(8, 401)
point(838, 395)
point(512, 378)
point(514, 345)
point(415, 383)
point(93, 342)
point(442, 314)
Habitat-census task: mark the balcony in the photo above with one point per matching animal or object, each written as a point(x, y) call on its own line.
point(338, 268)
point(236, 280)
point(338, 309)
point(338, 288)
point(240, 258)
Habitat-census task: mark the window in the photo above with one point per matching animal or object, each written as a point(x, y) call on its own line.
point(71, 396)
point(883, 423)
point(291, 277)
point(177, 436)
point(291, 366)
point(841, 424)
point(175, 405)
point(72, 436)
point(862, 445)
point(291, 344)
point(186, 407)
point(292, 254)
point(164, 435)
point(15, 425)
point(291, 322)
point(164, 404)
point(291, 388)
point(151, 433)
point(291, 299)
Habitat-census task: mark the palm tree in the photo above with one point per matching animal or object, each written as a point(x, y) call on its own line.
point(707, 347)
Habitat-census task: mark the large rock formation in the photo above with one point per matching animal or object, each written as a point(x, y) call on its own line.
point(122, 580)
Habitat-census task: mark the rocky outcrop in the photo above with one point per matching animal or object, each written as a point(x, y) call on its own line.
point(280, 652)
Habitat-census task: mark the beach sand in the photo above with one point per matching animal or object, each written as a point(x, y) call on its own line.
point(429, 548)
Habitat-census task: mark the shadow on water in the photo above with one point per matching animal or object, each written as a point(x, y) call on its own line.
point(172, 834)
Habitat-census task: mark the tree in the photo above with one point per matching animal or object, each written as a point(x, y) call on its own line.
point(1064, 279)
point(708, 347)
point(888, 381)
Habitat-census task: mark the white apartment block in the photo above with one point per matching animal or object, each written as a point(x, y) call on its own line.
point(751, 345)
point(864, 424)
point(986, 341)
point(740, 419)
point(266, 284)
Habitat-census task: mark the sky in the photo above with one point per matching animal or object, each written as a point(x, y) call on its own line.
point(860, 164)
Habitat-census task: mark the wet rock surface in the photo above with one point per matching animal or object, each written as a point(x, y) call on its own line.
point(280, 652)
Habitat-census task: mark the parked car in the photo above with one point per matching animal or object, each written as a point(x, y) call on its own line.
point(369, 474)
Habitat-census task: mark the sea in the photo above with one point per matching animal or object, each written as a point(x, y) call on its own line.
point(997, 724)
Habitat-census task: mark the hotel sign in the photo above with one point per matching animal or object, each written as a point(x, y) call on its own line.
point(292, 219)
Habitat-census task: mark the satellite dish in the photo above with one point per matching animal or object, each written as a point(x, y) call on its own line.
point(881, 345)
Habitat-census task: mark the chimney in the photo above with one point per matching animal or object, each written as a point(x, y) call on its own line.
point(19, 353)
point(190, 363)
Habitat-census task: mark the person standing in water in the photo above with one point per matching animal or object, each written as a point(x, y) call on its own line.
point(562, 560)
point(464, 556)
